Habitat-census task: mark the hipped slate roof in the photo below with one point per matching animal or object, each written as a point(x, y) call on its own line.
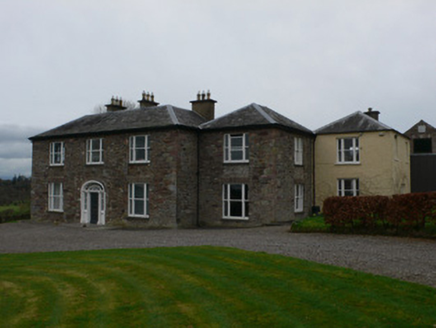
point(356, 122)
point(151, 117)
point(253, 115)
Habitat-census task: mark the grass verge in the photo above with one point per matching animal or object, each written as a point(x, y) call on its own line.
point(200, 287)
point(317, 224)
point(15, 212)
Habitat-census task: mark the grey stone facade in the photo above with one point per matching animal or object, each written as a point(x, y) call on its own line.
point(173, 164)
point(270, 175)
point(186, 172)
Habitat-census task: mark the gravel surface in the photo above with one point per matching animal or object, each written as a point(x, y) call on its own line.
point(402, 258)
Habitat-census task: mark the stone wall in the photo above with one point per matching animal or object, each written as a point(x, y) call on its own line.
point(170, 203)
point(270, 176)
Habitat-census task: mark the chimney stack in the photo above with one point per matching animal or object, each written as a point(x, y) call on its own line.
point(115, 105)
point(204, 105)
point(147, 100)
point(373, 114)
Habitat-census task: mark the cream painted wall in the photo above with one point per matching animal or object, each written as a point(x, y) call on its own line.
point(384, 167)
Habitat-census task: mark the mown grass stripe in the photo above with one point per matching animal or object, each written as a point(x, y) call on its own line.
point(206, 287)
point(178, 287)
point(358, 306)
point(247, 282)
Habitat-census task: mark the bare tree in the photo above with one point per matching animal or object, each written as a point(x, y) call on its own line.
point(100, 108)
point(130, 104)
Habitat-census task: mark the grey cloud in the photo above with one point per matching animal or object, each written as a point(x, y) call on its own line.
point(15, 149)
point(16, 133)
point(14, 166)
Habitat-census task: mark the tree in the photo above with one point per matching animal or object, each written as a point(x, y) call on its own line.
point(100, 108)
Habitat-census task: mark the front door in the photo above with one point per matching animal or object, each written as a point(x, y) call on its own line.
point(94, 207)
point(93, 203)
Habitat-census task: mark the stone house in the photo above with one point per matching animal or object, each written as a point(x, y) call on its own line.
point(422, 157)
point(265, 158)
point(358, 155)
point(163, 166)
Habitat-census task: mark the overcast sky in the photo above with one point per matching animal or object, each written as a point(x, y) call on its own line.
point(313, 61)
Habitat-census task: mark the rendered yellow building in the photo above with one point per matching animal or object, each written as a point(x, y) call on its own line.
point(358, 155)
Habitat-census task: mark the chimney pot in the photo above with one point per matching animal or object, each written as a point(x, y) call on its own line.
point(374, 114)
point(116, 104)
point(203, 106)
point(147, 100)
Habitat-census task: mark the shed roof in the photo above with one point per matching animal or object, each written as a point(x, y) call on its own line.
point(431, 128)
point(251, 116)
point(151, 117)
point(355, 122)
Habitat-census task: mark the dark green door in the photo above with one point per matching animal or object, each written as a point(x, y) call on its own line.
point(94, 207)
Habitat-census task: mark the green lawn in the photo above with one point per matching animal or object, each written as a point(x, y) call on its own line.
point(15, 212)
point(311, 224)
point(14, 208)
point(317, 224)
point(200, 287)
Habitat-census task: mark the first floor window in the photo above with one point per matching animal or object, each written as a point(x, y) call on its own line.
point(57, 153)
point(139, 148)
point(94, 151)
point(348, 150)
point(235, 201)
point(298, 151)
point(348, 187)
point(299, 198)
point(55, 197)
point(138, 200)
point(236, 148)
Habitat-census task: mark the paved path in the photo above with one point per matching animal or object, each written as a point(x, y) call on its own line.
point(403, 258)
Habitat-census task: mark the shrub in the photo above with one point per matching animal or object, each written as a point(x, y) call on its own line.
point(412, 210)
point(399, 211)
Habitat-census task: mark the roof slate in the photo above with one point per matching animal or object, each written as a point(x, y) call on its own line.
point(167, 116)
point(355, 122)
point(151, 117)
point(253, 115)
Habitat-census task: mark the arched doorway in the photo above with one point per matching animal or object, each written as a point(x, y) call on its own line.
point(93, 203)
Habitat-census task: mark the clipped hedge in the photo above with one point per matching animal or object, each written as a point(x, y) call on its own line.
point(399, 211)
point(14, 213)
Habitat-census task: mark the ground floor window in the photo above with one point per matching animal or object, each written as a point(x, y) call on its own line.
point(55, 197)
point(348, 187)
point(235, 201)
point(138, 200)
point(299, 198)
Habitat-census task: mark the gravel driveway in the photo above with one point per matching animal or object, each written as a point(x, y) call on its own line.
point(403, 258)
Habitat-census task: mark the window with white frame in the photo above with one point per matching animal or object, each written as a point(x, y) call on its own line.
point(298, 151)
point(55, 197)
point(348, 187)
point(299, 198)
point(94, 151)
point(236, 148)
point(348, 150)
point(138, 200)
point(139, 149)
point(235, 201)
point(57, 153)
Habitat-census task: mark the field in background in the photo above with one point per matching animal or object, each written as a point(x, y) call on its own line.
point(200, 287)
